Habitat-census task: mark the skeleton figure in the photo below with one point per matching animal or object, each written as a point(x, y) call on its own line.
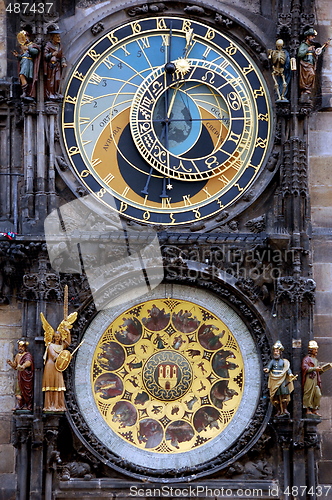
point(280, 69)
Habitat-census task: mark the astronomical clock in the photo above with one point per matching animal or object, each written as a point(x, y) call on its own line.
point(164, 182)
point(167, 121)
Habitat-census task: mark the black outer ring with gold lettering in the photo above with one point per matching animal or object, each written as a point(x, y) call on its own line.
point(186, 201)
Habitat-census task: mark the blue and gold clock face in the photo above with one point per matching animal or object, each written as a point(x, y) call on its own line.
point(166, 120)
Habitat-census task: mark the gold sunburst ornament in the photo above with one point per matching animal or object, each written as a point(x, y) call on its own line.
point(182, 66)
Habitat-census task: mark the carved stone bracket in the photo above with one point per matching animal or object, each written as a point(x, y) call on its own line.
point(295, 290)
point(23, 429)
point(52, 108)
point(40, 286)
point(97, 28)
point(283, 109)
point(284, 431)
point(256, 225)
point(294, 169)
point(144, 8)
point(51, 426)
point(284, 25)
point(312, 438)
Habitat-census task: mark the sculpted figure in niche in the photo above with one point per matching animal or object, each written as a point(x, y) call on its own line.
point(311, 380)
point(280, 382)
point(56, 359)
point(54, 62)
point(280, 60)
point(23, 363)
point(308, 54)
point(28, 58)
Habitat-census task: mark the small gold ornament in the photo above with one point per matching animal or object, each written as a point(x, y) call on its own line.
point(22, 37)
point(182, 66)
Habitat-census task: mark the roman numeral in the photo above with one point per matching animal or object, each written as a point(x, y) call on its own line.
point(95, 79)
point(186, 200)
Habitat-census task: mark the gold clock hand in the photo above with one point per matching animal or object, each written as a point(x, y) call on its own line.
point(171, 104)
point(189, 41)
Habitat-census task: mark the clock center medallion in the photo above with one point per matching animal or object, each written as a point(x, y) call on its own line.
point(167, 375)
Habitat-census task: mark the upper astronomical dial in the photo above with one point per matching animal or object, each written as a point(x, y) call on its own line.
point(136, 133)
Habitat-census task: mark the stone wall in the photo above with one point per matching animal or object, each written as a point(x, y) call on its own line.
point(320, 178)
point(3, 45)
point(10, 331)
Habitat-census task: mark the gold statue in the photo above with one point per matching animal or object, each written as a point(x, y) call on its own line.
point(56, 359)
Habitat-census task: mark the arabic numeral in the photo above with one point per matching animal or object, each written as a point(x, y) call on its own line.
point(120, 65)
point(15, 8)
point(25, 7)
point(40, 8)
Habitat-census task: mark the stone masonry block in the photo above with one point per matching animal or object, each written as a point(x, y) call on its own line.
point(326, 412)
point(7, 403)
point(10, 316)
point(5, 428)
point(320, 196)
point(322, 249)
point(322, 325)
point(322, 216)
point(320, 172)
point(324, 473)
point(319, 134)
point(6, 384)
point(7, 459)
point(327, 445)
point(322, 274)
point(7, 486)
point(323, 302)
point(7, 351)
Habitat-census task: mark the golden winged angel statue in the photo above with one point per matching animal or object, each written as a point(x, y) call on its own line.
point(56, 360)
